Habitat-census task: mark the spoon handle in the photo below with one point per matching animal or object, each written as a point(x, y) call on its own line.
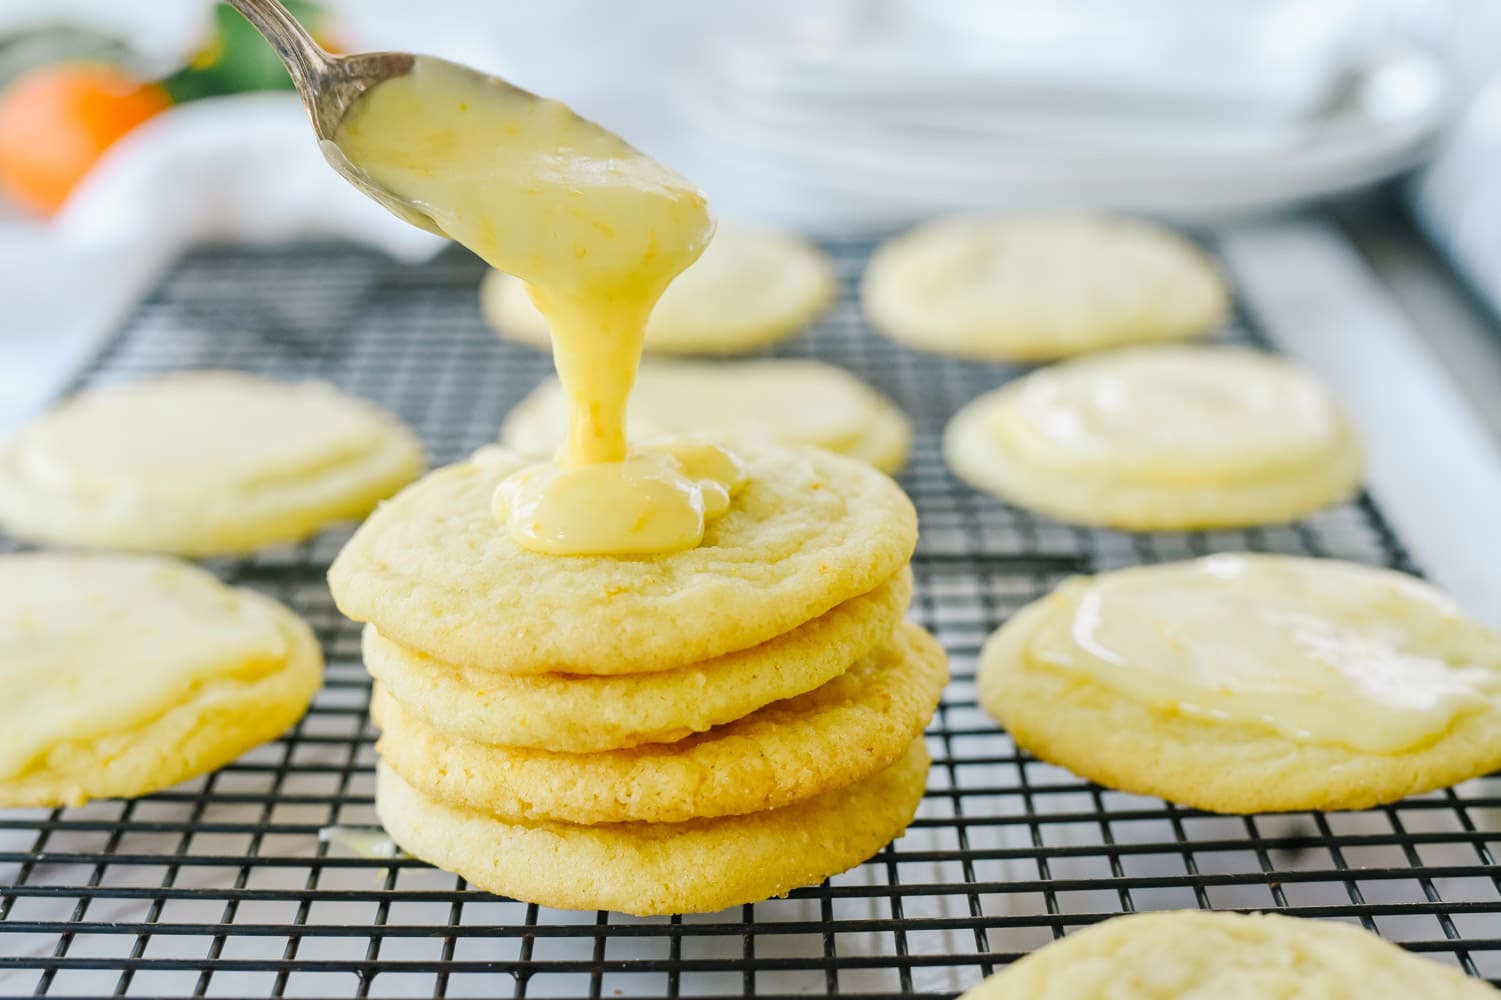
point(307, 63)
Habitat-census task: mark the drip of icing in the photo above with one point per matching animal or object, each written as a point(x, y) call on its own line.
point(597, 231)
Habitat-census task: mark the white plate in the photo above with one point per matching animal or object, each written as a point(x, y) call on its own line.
point(858, 170)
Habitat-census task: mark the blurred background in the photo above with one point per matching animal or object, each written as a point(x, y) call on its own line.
point(128, 131)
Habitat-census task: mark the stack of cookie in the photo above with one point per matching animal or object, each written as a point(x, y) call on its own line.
point(662, 734)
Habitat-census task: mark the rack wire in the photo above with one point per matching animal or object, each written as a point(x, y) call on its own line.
point(223, 887)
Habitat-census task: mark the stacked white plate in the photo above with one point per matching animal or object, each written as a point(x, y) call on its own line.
point(1196, 112)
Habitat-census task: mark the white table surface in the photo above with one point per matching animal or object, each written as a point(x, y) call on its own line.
point(1431, 462)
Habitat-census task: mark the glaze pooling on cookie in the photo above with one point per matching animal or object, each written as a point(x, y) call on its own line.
point(1159, 437)
point(1172, 415)
point(794, 401)
point(673, 490)
point(201, 463)
point(239, 431)
point(93, 645)
point(124, 674)
point(597, 231)
point(1195, 954)
point(1315, 651)
point(1186, 715)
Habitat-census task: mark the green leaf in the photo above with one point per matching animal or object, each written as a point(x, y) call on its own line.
point(238, 59)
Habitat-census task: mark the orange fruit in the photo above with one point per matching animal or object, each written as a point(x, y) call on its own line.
point(57, 121)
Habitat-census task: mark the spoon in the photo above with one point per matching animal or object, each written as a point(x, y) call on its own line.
point(329, 85)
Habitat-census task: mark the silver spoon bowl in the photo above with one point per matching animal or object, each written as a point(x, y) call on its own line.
point(329, 85)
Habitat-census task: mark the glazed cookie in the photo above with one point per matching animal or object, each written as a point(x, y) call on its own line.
point(431, 568)
point(126, 674)
point(203, 463)
point(752, 287)
point(571, 713)
point(1160, 438)
point(853, 726)
point(792, 401)
point(1185, 954)
point(1040, 288)
point(1251, 683)
point(699, 866)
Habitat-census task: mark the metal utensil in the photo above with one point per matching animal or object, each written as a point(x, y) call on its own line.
point(329, 85)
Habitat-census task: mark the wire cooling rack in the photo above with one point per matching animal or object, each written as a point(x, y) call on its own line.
point(222, 886)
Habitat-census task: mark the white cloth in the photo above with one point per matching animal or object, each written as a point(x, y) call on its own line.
point(244, 168)
point(230, 169)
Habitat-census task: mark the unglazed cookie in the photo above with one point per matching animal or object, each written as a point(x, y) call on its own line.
point(792, 401)
point(699, 866)
point(1251, 683)
point(573, 713)
point(202, 463)
point(1034, 289)
point(752, 287)
point(1197, 955)
point(434, 571)
point(855, 725)
point(126, 674)
point(1160, 438)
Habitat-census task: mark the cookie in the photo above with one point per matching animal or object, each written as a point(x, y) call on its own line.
point(752, 287)
point(202, 463)
point(126, 674)
point(434, 571)
point(699, 866)
point(1160, 438)
point(1245, 683)
point(1190, 953)
point(792, 401)
point(579, 714)
point(1035, 289)
point(854, 725)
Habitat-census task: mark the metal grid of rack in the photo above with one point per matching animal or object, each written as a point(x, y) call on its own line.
point(223, 887)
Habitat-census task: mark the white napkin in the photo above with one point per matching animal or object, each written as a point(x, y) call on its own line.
point(238, 169)
point(243, 168)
